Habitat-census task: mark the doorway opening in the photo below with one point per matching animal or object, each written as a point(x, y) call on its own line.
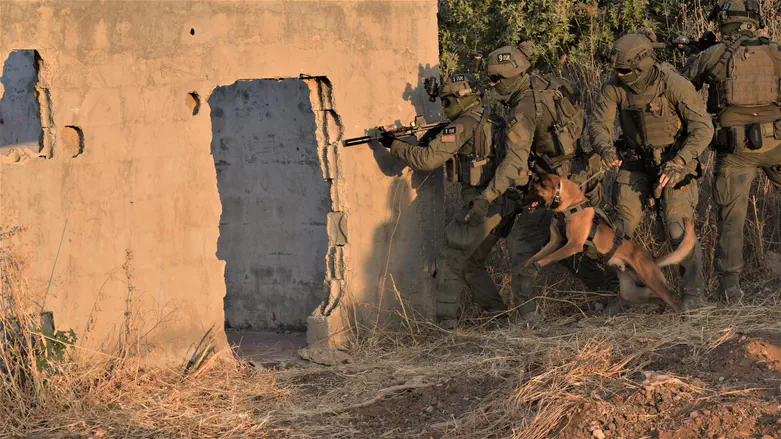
point(20, 110)
point(275, 202)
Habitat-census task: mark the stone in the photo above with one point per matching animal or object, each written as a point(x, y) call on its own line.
point(598, 433)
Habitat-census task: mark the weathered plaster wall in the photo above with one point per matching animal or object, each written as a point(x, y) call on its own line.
point(138, 211)
point(275, 202)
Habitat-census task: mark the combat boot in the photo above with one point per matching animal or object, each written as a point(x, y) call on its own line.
point(447, 324)
point(729, 289)
point(527, 314)
point(616, 307)
point(691, 302)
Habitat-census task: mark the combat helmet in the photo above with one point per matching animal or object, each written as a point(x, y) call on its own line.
point(734, 15)
point(633, 56)
point(507, 68)
point(458, 93)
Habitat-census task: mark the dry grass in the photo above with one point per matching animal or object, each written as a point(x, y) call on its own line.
point(499, 382)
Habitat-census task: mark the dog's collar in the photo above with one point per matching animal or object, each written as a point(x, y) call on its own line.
point(557, 197)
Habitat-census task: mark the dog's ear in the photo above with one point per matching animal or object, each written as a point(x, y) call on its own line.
point(546, 179)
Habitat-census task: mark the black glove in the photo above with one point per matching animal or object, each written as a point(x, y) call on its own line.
point(672, 173)
point(478, 210)
point(386, 139)
point(610, 158)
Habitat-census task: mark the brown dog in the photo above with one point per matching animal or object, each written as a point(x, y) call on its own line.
point(644, 283)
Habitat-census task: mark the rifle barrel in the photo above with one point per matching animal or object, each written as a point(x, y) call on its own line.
point(358, 140)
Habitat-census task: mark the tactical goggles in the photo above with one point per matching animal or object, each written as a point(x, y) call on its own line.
point(623, 71)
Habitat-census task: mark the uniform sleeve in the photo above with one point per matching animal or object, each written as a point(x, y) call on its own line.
point(603, 118)
point(514, 168)
point(697, 66)
point(440, 150)
point(690, 107)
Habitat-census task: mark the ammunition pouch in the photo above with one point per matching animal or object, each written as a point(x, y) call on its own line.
point(475, 171)
point(469, 170)
point(453, 170)
point(756, 137)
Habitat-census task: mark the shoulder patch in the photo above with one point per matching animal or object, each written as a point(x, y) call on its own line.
point(449, 134)
point(512, 122)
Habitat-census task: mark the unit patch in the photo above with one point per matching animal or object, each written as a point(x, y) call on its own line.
point(448, 135)
point(458, 78)
point(504, 57)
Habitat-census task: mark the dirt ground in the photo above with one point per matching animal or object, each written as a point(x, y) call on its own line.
point(712, 374)
point(716, 374)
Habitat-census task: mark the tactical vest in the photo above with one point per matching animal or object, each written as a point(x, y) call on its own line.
point(649, 120)
point(557, 97)
point(476, 161)
point(746, 82)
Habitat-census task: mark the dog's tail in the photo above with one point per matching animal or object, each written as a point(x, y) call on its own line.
point(684, 249)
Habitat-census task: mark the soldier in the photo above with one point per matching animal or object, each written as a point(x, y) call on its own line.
point(665, 129)
point(471, 146)
point(743, 73)
point(545, 123)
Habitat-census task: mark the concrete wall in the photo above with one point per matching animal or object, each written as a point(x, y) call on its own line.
point(135, 217)
point(275, 203)
point(20, 115)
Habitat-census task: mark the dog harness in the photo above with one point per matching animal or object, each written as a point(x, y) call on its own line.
point(599, 216)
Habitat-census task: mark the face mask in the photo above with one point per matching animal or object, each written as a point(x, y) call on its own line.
point(454, 107)
point(507, 86)
point(640, 77)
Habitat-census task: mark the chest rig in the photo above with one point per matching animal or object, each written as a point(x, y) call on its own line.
point(649, 121)
point(476, 161)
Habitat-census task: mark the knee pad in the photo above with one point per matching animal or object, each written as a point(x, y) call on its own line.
point(676, 231)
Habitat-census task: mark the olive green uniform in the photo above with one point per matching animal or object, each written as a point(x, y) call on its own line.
point(737, 160)
point(466, 145)
point(676, 126)
point(530, 132)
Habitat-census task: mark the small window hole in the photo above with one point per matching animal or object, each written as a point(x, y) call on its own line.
point(72, 141)
point(192, 31)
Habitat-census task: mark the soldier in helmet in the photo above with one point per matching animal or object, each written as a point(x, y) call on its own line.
point(665, 129)
point(743, 72)
point(472, 148)
point(545, 124)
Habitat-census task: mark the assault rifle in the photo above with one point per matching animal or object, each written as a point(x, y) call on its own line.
point(692, 46)
point(419, 125)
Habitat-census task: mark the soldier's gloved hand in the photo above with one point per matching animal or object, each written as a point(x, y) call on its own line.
point(671, 174)
point(386, 139)
point(610, 158)
point(478, 210)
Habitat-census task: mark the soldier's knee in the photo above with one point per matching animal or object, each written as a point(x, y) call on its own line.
point(676, 230)
point(473, 267)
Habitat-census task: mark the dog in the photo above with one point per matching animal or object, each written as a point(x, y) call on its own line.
point(644, 282)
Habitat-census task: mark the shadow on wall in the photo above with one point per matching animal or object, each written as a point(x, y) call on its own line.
point(20, 113)
point(419, 99)
point(275, 203)
point(414, 223)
